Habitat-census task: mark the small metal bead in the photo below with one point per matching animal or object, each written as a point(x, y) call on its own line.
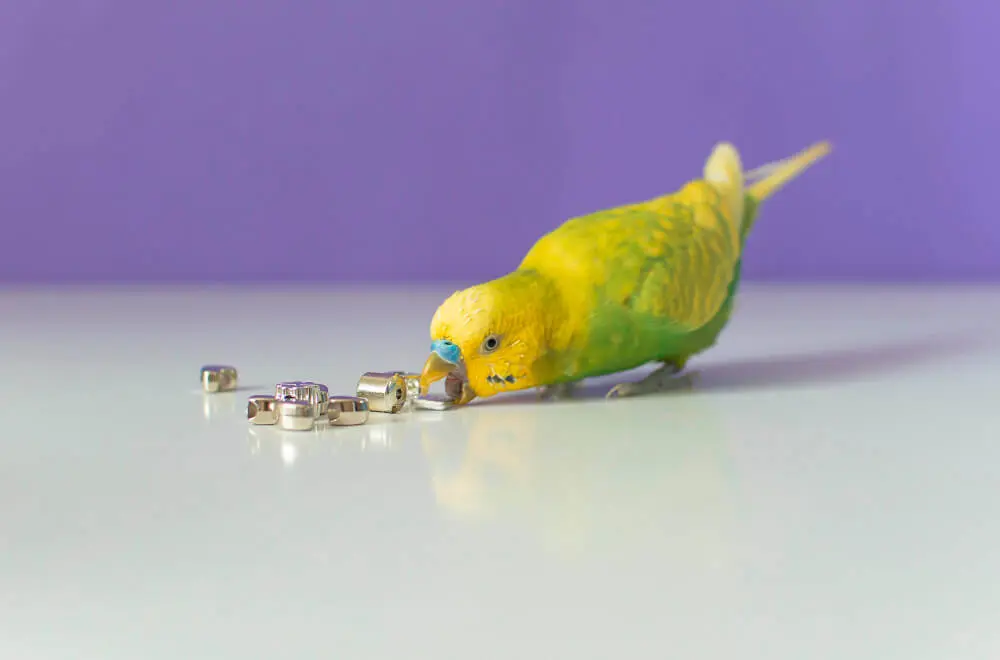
point(262, 409)
point(218, 378)
point(323, 400)
point(316, 394)
point(412, 388)
point(347, 411)
point(427, 402)
point(296, 415)
point(293, 390)
point(385, 391)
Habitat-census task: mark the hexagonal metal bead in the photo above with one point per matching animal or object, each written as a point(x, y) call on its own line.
point(347, 410)
point(219, 378)
point(262, 410)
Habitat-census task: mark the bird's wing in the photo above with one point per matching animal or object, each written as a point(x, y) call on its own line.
point(670, 259)
point(682, 257)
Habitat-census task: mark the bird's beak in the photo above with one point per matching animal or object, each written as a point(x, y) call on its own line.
point(464, 393)
point(456, 386)
point(434, 370)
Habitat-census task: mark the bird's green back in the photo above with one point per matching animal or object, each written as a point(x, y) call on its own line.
point(644, 282)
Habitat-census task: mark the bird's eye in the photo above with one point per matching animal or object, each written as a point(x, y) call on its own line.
point(490, 344)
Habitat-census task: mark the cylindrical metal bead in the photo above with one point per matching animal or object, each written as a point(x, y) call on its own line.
point(385, 391)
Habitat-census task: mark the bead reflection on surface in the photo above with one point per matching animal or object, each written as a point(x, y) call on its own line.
point(288, 448)
point(254, 441)
point(291, 448)
point(220, 405)
point(378, 437)
point(289, 453)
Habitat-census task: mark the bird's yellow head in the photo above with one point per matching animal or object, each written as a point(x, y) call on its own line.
point(489, 338)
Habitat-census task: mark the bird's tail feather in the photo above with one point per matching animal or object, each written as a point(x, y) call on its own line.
point(768, 179)
point(743, 192)
point(724, 171)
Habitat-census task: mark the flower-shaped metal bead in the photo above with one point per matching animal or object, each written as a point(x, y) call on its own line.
point(323, 399)
point(316, 394)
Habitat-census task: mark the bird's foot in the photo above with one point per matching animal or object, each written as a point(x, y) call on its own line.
point(658, 381)
point(557, 392)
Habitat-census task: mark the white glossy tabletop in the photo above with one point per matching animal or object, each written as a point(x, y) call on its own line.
point(826, 484)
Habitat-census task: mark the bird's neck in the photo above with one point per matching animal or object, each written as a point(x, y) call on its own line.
point(543, 301)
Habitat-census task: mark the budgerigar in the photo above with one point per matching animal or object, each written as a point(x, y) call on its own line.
point(610, 291)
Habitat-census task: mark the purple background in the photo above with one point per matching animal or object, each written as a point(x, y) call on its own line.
point(217, 140)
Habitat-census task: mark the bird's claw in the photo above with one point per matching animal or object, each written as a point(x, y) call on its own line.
point(621, 390)
point(660, 380)
point(556, 392)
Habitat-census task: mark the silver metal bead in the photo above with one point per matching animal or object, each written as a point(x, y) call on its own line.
point(316, 394)
point(385, 391)
point(293, 390)
point(428, 402)
point(262, 409)
point(296, 415)
point(218, 378)
point(412, 388)
point(323, 400)
point(347, 411)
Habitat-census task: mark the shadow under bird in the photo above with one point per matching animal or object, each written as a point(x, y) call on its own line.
point(610, 291)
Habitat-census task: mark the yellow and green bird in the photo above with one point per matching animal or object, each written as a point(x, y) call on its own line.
point(611, 291)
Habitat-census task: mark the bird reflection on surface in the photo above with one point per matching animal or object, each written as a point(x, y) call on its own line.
point(592, 475)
